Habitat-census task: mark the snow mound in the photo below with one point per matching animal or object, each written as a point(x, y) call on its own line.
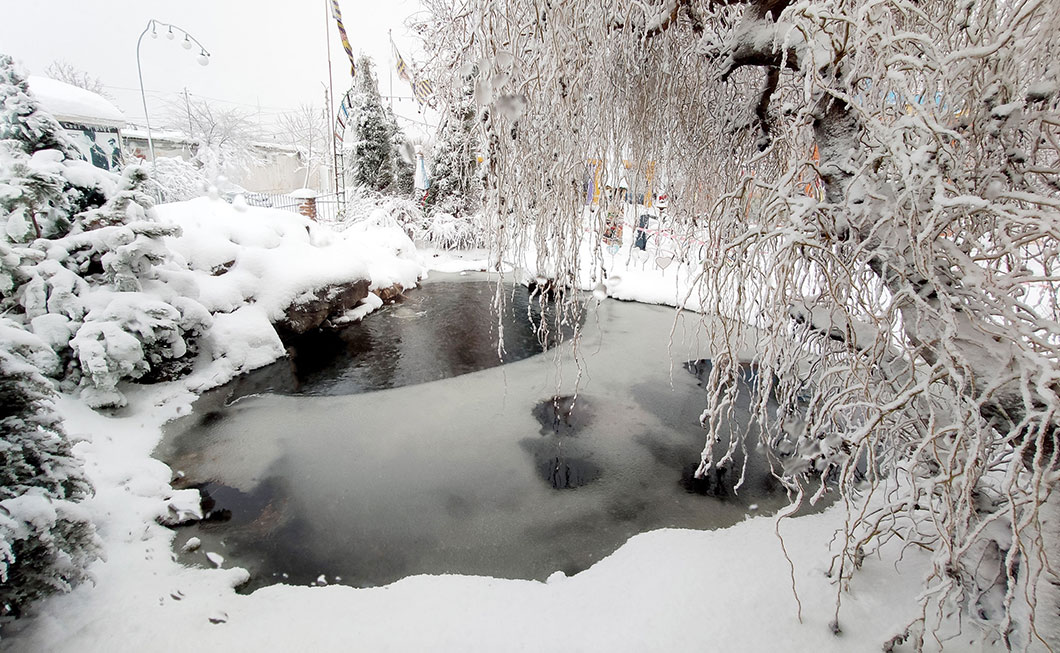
point(247, 265)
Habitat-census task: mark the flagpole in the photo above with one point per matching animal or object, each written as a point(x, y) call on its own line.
point(331, 98)
point(390, 35)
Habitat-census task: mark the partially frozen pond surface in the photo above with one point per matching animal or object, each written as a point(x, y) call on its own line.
point(479, 473)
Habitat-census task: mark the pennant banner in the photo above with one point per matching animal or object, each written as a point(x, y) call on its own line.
point(400, 65)
point(336, 13)
point(422, 89)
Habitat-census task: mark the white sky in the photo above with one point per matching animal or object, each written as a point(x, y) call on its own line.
point(268, 56)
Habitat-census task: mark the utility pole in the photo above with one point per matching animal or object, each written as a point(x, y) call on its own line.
point(187, 106)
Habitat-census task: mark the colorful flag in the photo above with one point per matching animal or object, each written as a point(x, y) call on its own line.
point(400, 65)
point(337, 15)
point(423, 90)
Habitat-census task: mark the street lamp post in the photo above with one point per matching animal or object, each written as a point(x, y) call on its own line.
point(203, 59)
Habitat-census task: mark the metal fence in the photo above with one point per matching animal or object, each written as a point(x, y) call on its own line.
point(327, 204)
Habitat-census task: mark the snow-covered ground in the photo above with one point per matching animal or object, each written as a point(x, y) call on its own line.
point(726, 590)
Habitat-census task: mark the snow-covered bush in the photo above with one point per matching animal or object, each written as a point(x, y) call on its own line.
point(46, 538)
point(79, 247)
point(437, 228)
point(135, 335)
point(445, 230)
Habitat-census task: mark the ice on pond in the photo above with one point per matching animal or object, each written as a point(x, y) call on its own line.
point(505, 471)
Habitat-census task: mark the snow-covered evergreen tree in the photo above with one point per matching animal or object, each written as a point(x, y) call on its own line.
point(376, 159)
point(46, 539)
point(454, 157)
point(22, 121)
point(372, 161)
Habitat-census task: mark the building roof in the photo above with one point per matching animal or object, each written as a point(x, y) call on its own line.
point(69, 103)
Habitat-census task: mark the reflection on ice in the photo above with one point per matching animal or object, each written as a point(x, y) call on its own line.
point(485, 473)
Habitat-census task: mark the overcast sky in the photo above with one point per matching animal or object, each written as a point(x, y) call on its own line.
point(268, 56)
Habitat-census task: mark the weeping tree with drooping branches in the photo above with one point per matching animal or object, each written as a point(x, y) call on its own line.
point(878, 186)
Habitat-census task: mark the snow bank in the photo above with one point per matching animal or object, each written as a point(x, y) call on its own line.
point(270, 257)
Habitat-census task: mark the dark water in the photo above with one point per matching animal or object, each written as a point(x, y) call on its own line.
point(444, 330)
point(505, 471)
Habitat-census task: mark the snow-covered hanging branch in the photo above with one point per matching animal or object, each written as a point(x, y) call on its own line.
point(877, 187)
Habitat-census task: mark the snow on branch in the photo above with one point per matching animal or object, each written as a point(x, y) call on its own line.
point(903, 189)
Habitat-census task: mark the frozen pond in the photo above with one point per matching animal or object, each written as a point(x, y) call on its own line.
point(479, 473)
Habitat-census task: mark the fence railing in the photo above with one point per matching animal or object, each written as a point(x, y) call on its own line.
point(327, 204)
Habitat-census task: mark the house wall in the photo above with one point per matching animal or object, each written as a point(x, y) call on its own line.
point(280, 170)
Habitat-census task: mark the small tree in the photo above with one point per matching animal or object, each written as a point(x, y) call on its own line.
point(22, 122)
point(454, 157)
point(223, 136)
point(306, 129)
point(372, 161)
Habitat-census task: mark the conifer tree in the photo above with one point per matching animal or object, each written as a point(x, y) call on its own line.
point(453, 161)
point(22, 121)
point(46, 539)
point(377, 161)
point(372, 149)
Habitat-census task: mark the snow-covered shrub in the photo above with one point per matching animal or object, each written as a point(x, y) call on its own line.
point(46, 538)
point(449, 231)
point(134, 335)
point(79, 248)
point(366, 205)
point(438, 228)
